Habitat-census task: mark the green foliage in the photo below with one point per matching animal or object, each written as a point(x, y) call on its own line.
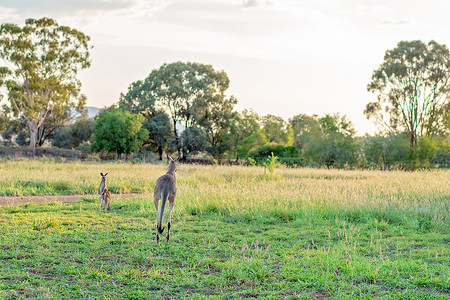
point(441, 158)
point(140, 99)
point(329, 142)
point(216, 122)
point(277, 130)
point(271, 163)
point(63, 138)
point(84, 147)
point(287, 155)
point(251, 143)
point(160, 129)
point(305, 128)
point(194, 140)
point(193, 94)
point(53, 121)
point(424, 151)
point(118, 132)
point(82, 130)
point(414, 77)
point(244, 125)
point(387, 152)
point(22, 138)
point(43, 59)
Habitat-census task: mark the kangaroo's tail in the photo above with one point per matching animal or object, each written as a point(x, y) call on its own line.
point(164, 198)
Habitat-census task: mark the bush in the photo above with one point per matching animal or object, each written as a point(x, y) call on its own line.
point(84, 147)
point(22, 139)
point(287, 155)
point(441, 158)
point(62, 138)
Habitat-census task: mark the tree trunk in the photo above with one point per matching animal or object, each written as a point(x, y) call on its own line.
point(412, 140)
point(32, 125)
point(160, 152)
point(176, 136)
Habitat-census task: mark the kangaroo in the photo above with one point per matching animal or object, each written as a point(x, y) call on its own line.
point(106, 198)
point(103, 194)
point(165, 189)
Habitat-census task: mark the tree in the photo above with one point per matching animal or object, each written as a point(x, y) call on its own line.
point(304, 128)
point(140, 99)
point(277, 130)
point(118, 131)
point(185, 90)
point(14, 128)
point(242, 126)
point(82, 130)
point(285, 154)
point(62, 138)
point(413, 87)
point(194, 140)
point(250, 143)
point(386, 151)
point(216, 123)
point(332, 144)
point(53, 121)
point(160, 129)
point(43, 59)
point(5, 117)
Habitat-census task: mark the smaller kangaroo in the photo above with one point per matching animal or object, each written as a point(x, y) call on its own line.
point(103, 194)
point(165, 189)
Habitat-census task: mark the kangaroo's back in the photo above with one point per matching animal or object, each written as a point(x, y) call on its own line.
point(166, 185)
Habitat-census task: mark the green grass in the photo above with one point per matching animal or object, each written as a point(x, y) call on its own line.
point(299, 234)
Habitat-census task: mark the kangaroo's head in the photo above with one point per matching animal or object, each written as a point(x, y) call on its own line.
point(103, 177)
point(172, 165)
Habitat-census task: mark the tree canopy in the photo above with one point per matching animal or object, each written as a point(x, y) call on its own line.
point(118, 132)
point(43, 59)
point(193, 94)
point(413, 89)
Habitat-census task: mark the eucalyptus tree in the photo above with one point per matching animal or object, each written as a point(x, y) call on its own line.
point(413, 89)
point(193, 94)
point(277, 130)
point(42, 60)
point(186, 90)
point(160, 129)
point(243, 134)
point(216, 122)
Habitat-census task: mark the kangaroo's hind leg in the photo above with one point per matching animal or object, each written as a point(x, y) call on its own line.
point(170, 216)
point(156, 202)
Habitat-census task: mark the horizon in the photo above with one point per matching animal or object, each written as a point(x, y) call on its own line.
point(282, 57)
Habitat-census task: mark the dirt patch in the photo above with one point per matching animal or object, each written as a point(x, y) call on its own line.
point(12, 201)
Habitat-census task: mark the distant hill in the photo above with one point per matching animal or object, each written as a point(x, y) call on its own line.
point(92, 111)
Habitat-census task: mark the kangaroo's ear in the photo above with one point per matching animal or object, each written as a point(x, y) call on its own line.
point(101, 173)
point(106, 174)
point(169, 158)
point(178, 158)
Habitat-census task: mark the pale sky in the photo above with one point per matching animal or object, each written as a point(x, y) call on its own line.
point(283, 57)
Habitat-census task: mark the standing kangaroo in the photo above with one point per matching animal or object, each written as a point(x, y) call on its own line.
point(165, 189)
point(103, 194)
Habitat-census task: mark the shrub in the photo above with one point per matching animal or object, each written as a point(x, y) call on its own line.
point(287, 155)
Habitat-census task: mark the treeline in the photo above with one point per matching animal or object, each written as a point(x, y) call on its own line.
point(249, 139)
point(183, 108)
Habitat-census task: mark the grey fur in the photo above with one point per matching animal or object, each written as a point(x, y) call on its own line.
point(103, 194)
point(165, 189)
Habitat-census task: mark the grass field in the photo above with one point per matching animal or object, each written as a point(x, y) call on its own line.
point(236, 233)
